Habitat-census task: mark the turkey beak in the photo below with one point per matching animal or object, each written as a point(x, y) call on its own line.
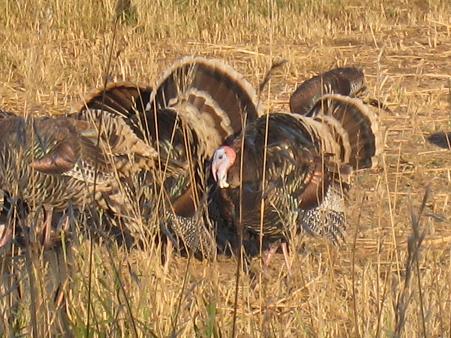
point(222, 179)
point(214, 170)
point(219, 174)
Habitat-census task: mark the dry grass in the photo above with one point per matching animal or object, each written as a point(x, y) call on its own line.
point(53, 52)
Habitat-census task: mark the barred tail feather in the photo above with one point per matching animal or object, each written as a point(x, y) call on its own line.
point(121, 99)
point(211, 96)
point(347, 81)
point(354, 126)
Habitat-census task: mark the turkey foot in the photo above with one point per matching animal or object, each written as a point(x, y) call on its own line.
point(272, 250)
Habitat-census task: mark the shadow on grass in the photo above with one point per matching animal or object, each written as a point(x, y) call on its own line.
point(441, 139)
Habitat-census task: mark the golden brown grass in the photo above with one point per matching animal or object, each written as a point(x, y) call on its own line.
point(53, 52)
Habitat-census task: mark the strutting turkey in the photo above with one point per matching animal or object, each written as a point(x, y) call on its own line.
point(301, 167)
point(194, 107)
point(51, 163)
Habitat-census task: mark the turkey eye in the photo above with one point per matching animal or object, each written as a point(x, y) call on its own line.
point(221, 157)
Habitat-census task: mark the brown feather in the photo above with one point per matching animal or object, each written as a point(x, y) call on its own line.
point(346, 81)
point(184, 205)
point(317, 184)
point(59, 160)
point(123, 98)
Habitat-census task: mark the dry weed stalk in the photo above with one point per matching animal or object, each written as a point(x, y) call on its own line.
point(412, 266)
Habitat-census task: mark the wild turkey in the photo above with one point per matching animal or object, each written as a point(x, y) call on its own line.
point(304, 165)
point(50, 162)
point(196, 104)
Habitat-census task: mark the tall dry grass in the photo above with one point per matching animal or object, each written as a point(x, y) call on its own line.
point(381, 283)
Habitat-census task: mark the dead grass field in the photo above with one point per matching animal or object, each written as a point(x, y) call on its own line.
point(54, 52)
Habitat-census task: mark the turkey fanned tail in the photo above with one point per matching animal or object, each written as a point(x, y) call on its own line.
point(353, 126)
point(209, 96)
